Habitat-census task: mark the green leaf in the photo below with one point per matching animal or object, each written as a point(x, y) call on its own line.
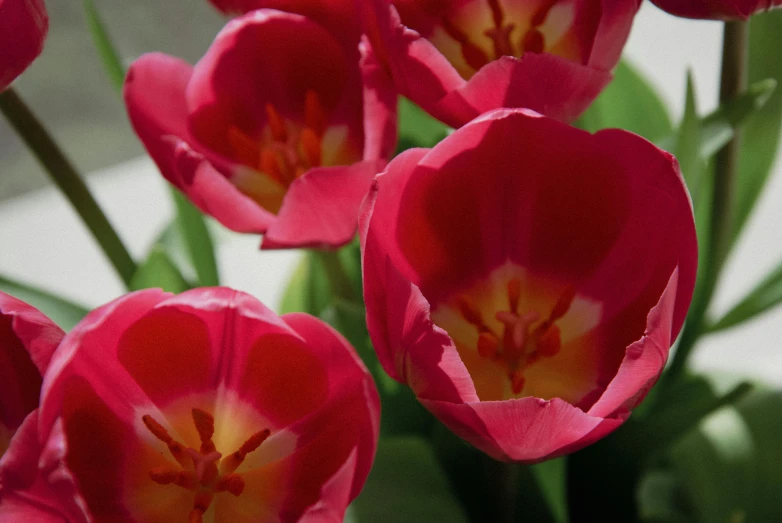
point(765, 295)
point(64, 313)
point(688, 140)
point(719, 127)
point(761, 135)
point(105, 47)
point(197, 239)
point(417, 128)
point(308, 290)
point(159, 271)
point(731, 466)
point(406, 485)
point(629, 102)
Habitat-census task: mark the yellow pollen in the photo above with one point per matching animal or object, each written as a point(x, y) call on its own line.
point(203, 471)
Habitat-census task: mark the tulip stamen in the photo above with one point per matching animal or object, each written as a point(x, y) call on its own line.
point(526, 336)
point(204, 471)
point(472, 54)
point(500, 33)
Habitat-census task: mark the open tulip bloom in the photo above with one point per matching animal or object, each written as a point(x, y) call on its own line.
point(460, 58)
point(204, 406)
point(276, 130)
point(526, 279)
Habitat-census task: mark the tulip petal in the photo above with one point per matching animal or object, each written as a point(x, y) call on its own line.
point(23, 28)
point(321, 207)
point(544, 82)
point(527, 429)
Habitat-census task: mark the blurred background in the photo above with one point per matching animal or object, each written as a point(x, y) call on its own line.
point(43, 243)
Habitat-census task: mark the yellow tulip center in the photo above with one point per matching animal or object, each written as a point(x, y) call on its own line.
point(521, 335)
point(204, 471)
point(481, 31)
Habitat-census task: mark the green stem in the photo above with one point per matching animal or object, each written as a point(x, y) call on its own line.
point(735, 47)
point(35, 135)
point(335, 272)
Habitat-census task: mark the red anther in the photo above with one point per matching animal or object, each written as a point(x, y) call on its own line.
point(205, 425)
point(533, 42)
point(473, 55)
point(472, 317)
point(314, 113)
point(232, 483)
point(516, 381)
point(488, 345)
point(549, 343)
point(203, 499)
point(180, 478)
point(156, 429)
point(310, 147)
point(245, 149)
point(563, 304)
point(177, 449)
point(276, 124)
point(496, 12)
point(542, 13)
point(269, 164)
point(254, 441)
point(232, 461)
point(514, 294)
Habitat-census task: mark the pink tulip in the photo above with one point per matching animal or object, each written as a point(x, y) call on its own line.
point(339, 17)
point(23, 28)
point(460, 58)
point(526, 279)
point(716, 9)
point(274, 131)
point(27, 341)
point(203, 406)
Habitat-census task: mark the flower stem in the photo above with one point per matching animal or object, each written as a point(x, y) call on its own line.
point(40, 142)
point(733, 81)
point(335, 272)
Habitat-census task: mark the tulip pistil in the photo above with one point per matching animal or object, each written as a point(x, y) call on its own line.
point(526, 337)
point(203, 471)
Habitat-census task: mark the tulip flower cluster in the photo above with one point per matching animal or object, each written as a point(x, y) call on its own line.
point(525, 278)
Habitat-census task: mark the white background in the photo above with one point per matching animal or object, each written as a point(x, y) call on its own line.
point(42, 241)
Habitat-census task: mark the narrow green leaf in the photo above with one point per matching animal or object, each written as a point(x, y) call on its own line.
point(406, 485)
point(105, 47)
point(197, 239)
point(718, 128)
point(688, 140)
point(629, 102)
point(762, 132)
point(159, 271)
point(63, 312)
point(308, 289)
point(417, 128)
point(766, 295)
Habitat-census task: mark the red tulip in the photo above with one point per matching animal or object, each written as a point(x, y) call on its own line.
point(526, 279)
point(207, 406)
point(338, 16)
point(273, 131)
point(716, 9)
point(460, 58)
point(27, 340)
point(23, 27)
